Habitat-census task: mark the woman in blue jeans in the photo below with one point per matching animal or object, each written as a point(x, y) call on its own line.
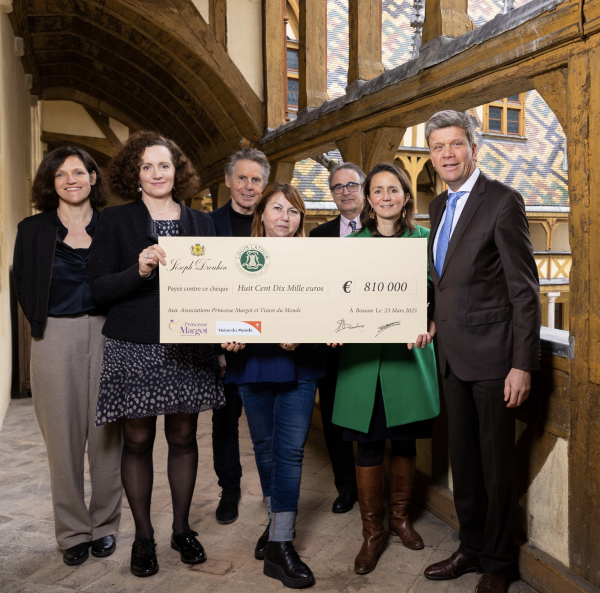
point(277, 384)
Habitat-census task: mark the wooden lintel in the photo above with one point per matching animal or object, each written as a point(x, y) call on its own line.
point(364, 19)
point(552, 86)
point(282, 171)
point(313, 54)
point(103, 123)
point(498, 67)
point(273, 62)
point(446, 18)
point(217, 17)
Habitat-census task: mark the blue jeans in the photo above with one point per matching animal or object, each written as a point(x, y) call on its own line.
point(279, 417)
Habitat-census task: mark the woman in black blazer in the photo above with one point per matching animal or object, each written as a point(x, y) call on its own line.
point(51, 272)
point(142, 378)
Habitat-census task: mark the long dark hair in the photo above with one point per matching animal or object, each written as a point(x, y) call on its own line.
point(43, 194)
point(404, 222)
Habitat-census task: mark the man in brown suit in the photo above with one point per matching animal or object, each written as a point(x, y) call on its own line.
point(487, 317)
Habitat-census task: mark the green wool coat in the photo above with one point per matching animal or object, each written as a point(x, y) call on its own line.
point(408, 377)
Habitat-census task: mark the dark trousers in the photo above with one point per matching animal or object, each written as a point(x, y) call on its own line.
point(340, 451)
point(481, 435)
point(226, 439)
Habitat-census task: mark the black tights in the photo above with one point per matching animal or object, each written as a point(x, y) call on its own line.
point(371, 454)
point(137, 471)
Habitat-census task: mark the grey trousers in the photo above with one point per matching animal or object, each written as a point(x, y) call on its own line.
point(65, 377)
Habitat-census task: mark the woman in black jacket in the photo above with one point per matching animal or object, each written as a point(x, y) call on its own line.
point(142, 378)
point(51, 271)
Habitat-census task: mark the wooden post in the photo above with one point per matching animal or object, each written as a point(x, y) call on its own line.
point(273, 62)
point(220, 194)
point(313, 54)
point(446, 18)
point(282, 171)
point(365, 40)
point(217, 17)
point(583, 134)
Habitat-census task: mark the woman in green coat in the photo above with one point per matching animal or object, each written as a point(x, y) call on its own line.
point(387, 391)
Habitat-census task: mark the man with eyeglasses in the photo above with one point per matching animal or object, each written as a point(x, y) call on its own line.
point(346, 184)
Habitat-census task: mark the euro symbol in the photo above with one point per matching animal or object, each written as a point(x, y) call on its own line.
point(347, 286)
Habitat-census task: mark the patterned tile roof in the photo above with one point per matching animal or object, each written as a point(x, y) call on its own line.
point(534, 167)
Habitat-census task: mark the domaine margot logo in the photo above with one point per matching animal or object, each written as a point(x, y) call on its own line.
point(252, 260)
point(188, 328)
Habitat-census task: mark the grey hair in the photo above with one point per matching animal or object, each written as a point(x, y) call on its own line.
point(350, 166)
point(448, 119)
point(248, 154)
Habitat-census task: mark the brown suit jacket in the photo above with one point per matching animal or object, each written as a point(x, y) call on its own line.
point(486, 301)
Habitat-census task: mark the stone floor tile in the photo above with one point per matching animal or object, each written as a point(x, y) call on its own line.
point(380, 581)
point(312, 499)
point(323, 523)
point(464, 584)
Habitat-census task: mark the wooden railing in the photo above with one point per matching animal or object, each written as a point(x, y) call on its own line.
point(553, 265)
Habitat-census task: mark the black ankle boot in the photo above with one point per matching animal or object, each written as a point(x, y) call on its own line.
point(227, 511)
point(283, 563)
point(261, 544)
point(189, 548)
point(143, 557)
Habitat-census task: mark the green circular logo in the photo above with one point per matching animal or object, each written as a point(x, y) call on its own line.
point(252, 260)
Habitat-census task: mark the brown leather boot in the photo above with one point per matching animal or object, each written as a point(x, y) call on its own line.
point(402, 471)
point(370, 499)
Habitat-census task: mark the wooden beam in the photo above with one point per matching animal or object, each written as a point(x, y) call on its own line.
point(483, 70)
point(97, 145)
point(282, 171)
point(583, 142)
point(103, 123)
point(552, 86)
point(446, 18)
point(365, 40)
point(273, 62)
point(366, 149)
point(217, 16)
point(313, 54)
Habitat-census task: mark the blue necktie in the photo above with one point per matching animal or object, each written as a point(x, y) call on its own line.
point(352, 225)
point(444, 238)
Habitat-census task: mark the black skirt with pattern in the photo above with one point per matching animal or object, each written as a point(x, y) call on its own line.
point(141, 380)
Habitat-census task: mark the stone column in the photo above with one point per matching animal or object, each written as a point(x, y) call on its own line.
point(551, 307)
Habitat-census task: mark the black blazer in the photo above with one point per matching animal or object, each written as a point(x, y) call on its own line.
point(487, 303)
point(327, 229)
point(32, 267)
point(222, 221)
point(121, 235)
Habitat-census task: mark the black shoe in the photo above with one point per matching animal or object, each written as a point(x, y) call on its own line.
point(77, 554)
point(261, 544)
point(283, 563)
point(189, 548)
point(344, 502)
point(104, 546)
point(227, 511)
point(143, 557)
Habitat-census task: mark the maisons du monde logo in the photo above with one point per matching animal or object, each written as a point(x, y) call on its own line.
point(252, 260)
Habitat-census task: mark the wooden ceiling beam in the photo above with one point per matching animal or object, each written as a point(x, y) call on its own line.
point(481, 70)
point(218, 20)
point(274, 61)
point(103, 123)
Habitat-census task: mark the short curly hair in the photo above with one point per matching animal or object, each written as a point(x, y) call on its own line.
point(124, 170)
point(43, 192)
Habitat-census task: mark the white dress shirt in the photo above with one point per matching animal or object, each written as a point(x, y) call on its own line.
point(345, 229)
point(467, 186)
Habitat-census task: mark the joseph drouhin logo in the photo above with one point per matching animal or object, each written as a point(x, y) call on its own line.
point(252, 260)
point(198, 249)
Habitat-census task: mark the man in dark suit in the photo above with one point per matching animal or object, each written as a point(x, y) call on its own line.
point(487, 317)
point(246, 174)
point(346, 185)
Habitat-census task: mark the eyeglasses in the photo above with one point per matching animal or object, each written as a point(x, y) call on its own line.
point(352, 187)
